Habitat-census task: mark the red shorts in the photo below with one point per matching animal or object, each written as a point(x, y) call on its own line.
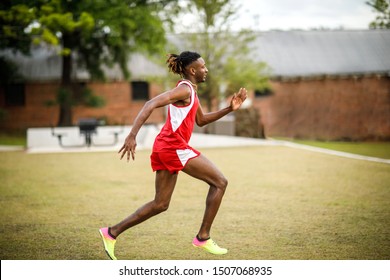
point(172, 160)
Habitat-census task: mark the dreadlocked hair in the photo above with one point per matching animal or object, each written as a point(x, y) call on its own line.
point(177, 63)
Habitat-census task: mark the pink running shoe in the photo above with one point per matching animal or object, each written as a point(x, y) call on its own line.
point(209, 246)
point(108, 242)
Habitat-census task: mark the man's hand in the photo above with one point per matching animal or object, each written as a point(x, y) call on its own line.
point(128, 147)
point(238, 99)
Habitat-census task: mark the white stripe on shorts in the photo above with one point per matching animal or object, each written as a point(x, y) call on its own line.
point(185, 155)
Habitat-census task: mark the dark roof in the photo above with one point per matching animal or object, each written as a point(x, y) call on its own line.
point(325, 52)
point(44, 64)
point(288, 54)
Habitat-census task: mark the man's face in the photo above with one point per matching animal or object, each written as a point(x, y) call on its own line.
point(199, 70)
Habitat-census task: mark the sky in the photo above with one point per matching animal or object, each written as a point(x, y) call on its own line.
point(263, 15)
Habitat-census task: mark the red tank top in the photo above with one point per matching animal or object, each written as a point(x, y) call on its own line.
point(177, 130)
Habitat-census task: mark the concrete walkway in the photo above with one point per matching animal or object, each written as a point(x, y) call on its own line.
point(198, 140)
point(4, 148)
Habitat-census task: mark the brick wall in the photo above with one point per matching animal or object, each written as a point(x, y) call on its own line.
point(349, 108)
point(35, 112)
point(354, 108)
point(119, 109)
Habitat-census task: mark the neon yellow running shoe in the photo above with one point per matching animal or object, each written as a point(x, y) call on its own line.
point(108, 242)
point(209, 246)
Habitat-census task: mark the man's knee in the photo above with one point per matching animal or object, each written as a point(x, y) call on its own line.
point(221, 183)
point(160, 206)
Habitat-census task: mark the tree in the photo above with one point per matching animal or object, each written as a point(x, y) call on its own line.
point(15, 17)
point(92, 32)
point(226, 53)
point(382, 8)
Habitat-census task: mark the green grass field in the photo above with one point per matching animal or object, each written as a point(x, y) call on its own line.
point(371, 149)
point(13, 139)
point(281, 204)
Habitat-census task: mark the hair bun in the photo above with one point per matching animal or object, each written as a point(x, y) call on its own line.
point(177, 63)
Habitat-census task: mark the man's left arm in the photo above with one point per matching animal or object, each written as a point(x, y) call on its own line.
point(235, 103)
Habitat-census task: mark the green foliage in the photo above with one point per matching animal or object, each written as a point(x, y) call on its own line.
point(64, 96)
point(15, 17)
point(96, 32)
point(382, 8)
point(77, 96)
point(120, 31)
point(246, 72)
point(212, 10)
point(227, 53)
point(88, 98)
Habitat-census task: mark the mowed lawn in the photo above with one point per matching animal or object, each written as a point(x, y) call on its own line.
point(281, 204)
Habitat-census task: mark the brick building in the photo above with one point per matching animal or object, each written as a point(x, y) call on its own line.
point(325, 85)
point(330, 85)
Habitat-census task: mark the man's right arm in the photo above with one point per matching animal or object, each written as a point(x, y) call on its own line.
point(166, 98)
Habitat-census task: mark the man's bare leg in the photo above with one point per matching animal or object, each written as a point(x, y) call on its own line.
point(165, 184)
point(203, 169)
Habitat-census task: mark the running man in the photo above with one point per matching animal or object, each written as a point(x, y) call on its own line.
point(171, 152)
